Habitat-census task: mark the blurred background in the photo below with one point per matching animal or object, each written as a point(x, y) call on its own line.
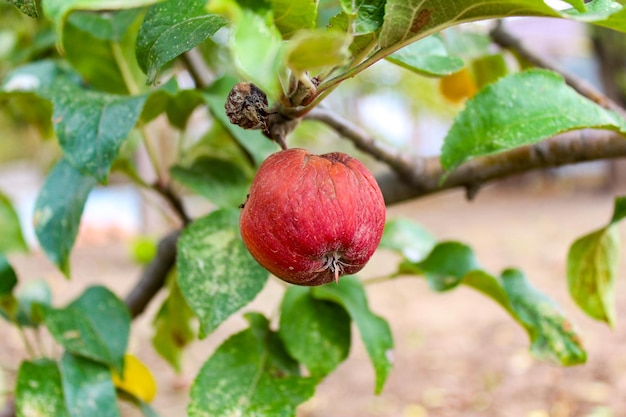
point(457, 354)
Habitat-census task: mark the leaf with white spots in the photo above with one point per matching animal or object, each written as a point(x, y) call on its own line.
point(96, 325)
point(216, 273)
point(38, 391)
point(88, 388)
point(375, 331)
point(58, 211)
point(315, 332)
point(250, 374)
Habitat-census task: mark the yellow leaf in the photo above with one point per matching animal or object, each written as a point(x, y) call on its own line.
point(458, 86)
point(136, 380)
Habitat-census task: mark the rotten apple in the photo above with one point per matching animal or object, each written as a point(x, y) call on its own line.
point(310, 219)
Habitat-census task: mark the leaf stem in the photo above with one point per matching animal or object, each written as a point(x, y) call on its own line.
point(122, 65)
point(27, 344)
point(380, 279)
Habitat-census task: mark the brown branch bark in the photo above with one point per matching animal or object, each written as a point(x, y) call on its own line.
point(154, 275)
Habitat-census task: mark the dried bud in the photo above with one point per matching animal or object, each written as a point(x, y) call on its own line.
point(246, 106)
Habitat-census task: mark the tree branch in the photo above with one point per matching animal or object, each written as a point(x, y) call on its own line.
point(154, 275)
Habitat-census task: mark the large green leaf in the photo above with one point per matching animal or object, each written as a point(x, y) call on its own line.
point(315, 332)
point(58, 10)
point(254, 143)
point(447, 264)
point(221, 182)
point(92, 126)
point(513, 112)
point(38, 391)
point(216, 273)
point(88, 388)
point(171, 28)
point(293, 15)
point(409, 20)
point(366, 15)
point(250, 374)
point(255, 45)
point(427, 56)
point(592, 264)
point(10, 230)
point(111, 25)
point(553, 337)
point(408, 239)
point(58, 210)
point(96, 325)
point(374, 330)
point(28, 7)
point(173, 329)
point(315, 49)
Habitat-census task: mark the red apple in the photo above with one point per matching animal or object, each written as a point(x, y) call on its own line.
point(310, 219)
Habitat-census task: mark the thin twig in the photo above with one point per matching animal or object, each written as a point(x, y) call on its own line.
point(503, 38)
point(165, 190)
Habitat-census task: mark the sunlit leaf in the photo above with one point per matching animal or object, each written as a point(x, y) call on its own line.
point(38, 391)
point(10, 230)
point(315, 49)
point(407, 238)
point(592, 264)
point(293, 15)
point(136, 379)
point(485, 126)
point(447, 264)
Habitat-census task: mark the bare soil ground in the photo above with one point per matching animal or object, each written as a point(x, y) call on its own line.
point(457, 354)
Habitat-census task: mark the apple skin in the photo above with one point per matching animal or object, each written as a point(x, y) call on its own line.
point(310, 219)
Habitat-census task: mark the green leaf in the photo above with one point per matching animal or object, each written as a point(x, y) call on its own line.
point(490, 286)
point(513, 112)
point(221, 182)
point(315, 49)
point(171, 28)
point(315, 332)
point(28, 7)
point(216, 273)
point(408, 20)
point(180, 107)
point(447, 264)
point(250, 374)
point(96, 58)
point(8, 281)
point(12, 238)
point(8, 278)
point(366, 15)
point(553, 337)
point(95, 325)
point(58, 10)
point(92, 126)
point(375, 331)
point(172, 325)
point(58, 210)
point(293, 15)
point(408, 239)
point(592, 264)
point(31, 296)
point(88, 388)
point(428, 57)
point(255, 45)
point(111, 25)
point(488, 68)
point(619, 210)
point(253, 141)
point(38, 391)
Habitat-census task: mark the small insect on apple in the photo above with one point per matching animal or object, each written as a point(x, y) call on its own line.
point(309, 219)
